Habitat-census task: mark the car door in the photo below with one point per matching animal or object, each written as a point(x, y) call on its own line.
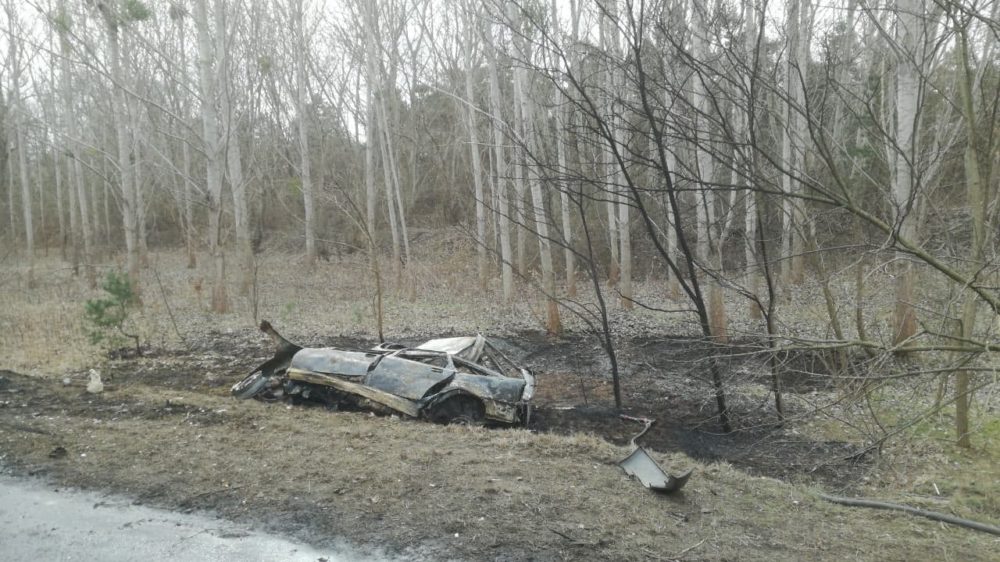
point(409, 379)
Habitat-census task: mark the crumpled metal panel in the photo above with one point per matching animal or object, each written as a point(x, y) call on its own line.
point(333, 361)
point(493, 388)
point(402, 405)
point(642, 466)
point(408, 379)
point(467, 347)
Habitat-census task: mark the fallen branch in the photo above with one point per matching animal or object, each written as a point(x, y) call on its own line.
point(937, 516)
point(649, 423)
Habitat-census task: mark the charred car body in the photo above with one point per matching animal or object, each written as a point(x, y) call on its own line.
point(464, 379)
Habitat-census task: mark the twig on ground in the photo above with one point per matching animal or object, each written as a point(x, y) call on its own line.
point(681, 554)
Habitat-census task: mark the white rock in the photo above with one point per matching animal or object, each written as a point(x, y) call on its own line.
point(95, 386)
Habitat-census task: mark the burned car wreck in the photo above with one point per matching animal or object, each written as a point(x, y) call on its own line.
point(463, 379)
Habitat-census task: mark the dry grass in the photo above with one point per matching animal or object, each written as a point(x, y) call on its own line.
point(455, 491)
point(370, 478)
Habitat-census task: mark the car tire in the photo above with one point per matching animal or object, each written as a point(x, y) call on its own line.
point(459, 409)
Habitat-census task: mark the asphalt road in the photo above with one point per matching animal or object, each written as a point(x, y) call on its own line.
point(40, 522)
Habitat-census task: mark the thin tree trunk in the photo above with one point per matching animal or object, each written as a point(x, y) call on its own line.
point(370, 192)
point(189, 227)
point(57, 170)
point(371, 136)
point(18, 116)
point(909, 15)
point(207, 66)
point(141, 231)
point(394, 187)
point(477, 167)
point(26, 205)
point(618, 208)
point(502, 189)
point(190, 230)
point(978, 203)
point(553, 323)
point(302, 107)
point(564, 118)
point(751, 277)
point(801, 135)
point(76, 232)
point(11, 206)
point(609, 165)
point(230, 145)
point(397, 259)
point(520, 217)
point(567, 224)
point(119, 117)
point(789, 148)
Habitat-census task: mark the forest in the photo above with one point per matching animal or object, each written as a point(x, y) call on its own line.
point(793, 205)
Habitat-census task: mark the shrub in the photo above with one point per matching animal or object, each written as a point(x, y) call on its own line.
point(107, 317)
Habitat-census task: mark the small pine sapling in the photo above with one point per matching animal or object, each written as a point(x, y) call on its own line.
point(107, 316)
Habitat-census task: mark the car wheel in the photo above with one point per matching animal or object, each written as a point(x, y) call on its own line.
point(461, 409)
point(250, 386)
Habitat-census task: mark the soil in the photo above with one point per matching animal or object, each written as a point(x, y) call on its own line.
point(166, 432)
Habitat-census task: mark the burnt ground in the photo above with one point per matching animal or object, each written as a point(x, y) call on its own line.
point(671, 385)
point(575, 395)
point(171, 410)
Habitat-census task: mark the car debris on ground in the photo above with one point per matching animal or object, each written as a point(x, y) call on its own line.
point(447, 380)
point(640, 465)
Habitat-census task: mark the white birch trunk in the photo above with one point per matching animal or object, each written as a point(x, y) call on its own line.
point(207, 65)
point(564, 118)
point(86, 202)
point(477, 168)
point(500, 156)
point(189, 229)
point(119, 117)
point(302, 107)
point(230, 145)
point(370, 192)
point(26, 203)
point(789, 153)
point(370, 128)
point(750, 32)
point(706, 165)
point(610, 170)
point(708, 254)
point(553, 324)
point(520, 217)
point(909, 14)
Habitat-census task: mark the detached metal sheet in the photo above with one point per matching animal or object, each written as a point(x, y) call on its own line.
point(642, 466)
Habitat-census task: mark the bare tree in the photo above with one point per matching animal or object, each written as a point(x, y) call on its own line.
point(502, 208)
point(474, 148)
point(212, 142)
point(530, 141)
point(302, 113)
